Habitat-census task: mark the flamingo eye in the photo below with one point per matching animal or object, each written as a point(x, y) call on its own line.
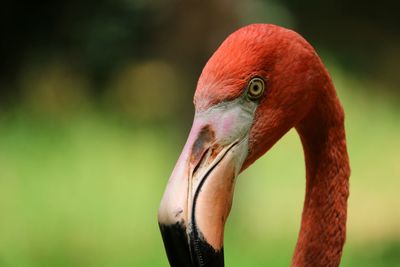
point(255, 88)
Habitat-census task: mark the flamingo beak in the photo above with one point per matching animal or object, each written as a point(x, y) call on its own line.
point(199, 194)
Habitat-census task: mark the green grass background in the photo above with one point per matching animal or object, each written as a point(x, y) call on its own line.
point(83, 190)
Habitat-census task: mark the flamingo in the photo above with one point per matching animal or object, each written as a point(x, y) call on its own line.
point(262, 81)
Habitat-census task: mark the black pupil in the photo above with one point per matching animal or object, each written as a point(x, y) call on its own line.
point(256, 88)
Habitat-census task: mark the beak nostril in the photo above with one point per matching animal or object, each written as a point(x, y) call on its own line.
point(205, 137)
point(202, 160)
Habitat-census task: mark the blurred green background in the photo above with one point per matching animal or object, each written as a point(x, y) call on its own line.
point(96, 104)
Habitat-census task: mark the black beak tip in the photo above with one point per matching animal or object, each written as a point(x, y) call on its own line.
point(206, 255)
point(195, 252)
point(176, 244)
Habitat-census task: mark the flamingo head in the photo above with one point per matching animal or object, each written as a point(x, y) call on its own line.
point(261, 82)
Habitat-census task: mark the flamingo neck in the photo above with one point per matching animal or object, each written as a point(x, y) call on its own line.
point(323, 226)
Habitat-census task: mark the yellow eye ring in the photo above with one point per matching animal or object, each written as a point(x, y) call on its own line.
point(255, 88)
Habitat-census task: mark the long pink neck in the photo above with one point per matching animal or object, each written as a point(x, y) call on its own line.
point(323, 226)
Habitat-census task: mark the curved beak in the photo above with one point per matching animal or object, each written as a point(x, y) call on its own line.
point(199, 194)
